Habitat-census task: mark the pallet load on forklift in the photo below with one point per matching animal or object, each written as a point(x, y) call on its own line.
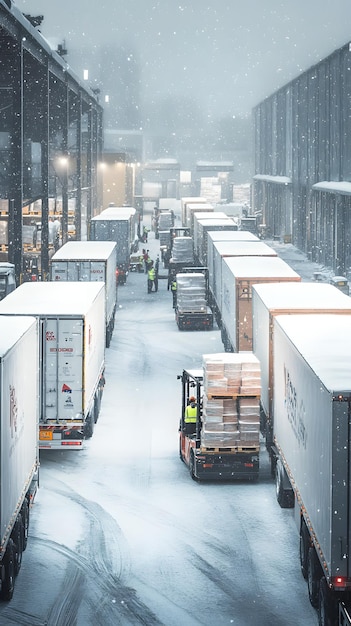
point(224, 441)
point(192, 311)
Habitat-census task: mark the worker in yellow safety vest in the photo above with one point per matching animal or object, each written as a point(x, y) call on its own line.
point(150, 277)
point(190, 416)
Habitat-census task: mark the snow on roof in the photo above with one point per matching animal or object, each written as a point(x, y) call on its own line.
point(279, 180)
point(232, 235)
point(324, 341)
point(12, 329)
point(215, 164)
point(260, 267)
point(90, 250)
point(244, 248)
point(116, 213)
point(51, 298)
point(302, 296)
point(331, 186)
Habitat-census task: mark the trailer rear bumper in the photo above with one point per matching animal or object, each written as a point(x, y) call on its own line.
point(227, 466)
point(194, 321)
point(59, 437)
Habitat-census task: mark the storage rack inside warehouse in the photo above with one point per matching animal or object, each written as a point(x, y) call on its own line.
point(50, 146)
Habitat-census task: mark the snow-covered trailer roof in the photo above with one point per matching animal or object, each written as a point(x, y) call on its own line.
point(84, 250)
point(260, 267)
point(243, 248)
point(301, 296)
point(52, 298)
point(231, 235)
point(11, 330)
point(324, 342)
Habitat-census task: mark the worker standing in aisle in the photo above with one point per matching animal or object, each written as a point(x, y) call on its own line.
point(150, 277)
point(157, 265)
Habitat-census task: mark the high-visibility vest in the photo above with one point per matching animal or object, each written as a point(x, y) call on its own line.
point(151, 273)
point(190, 414)
point(174, 285)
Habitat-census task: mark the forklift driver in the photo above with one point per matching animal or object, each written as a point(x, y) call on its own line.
point(190, 416)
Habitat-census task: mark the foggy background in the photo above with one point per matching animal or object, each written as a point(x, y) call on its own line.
point(190, 72)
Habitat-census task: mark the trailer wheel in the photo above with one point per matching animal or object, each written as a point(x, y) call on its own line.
point(192, 466)
point(89, 426)
point(327, 605)
point(96, 407)
point(25, 519)
point(8, 584)
point(18, 539)
point(305, 544)
point(314, 575)
point(284, 492)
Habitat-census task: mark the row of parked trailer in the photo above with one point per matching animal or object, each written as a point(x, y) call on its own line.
point(297, 336)
point(53, 337)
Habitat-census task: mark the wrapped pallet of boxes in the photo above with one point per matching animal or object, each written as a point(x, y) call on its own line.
point(231, 401)
point(191, 292)
point(182, 250)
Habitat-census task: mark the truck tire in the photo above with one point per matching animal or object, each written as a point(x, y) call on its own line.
point(327, 605)
point(8, 584)
point(25, 519)
point(314, 575)
point(97, 406)
point(89, 426)
point(18, 539)
point(192, 466)
point(305, 544)
point(284, 492)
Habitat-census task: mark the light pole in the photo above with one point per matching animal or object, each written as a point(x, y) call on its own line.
point(64, 173)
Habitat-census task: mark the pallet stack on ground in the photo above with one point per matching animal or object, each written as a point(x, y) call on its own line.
point(231, 400)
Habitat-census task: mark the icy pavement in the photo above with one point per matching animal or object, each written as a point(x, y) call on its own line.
point(308, 270)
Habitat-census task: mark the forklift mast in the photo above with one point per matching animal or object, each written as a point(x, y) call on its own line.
point(192, 385)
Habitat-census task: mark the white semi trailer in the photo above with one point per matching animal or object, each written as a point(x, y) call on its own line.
point(90, 261)
point(272, 299)
point(72, 348)
point(312, 445)
point(19, 415)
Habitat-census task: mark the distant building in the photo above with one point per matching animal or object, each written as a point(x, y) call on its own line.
point(302, 177)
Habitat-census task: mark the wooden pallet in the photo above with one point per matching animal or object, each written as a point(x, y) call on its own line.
point(231, 450)
point(231, 396)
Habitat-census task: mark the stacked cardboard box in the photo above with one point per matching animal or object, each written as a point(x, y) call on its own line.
point(191, 292)
point(231, 407)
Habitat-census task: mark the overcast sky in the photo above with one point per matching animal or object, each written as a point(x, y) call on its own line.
point(227, 54)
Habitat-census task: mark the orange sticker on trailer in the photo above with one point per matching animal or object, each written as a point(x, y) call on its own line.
point(45, 435)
